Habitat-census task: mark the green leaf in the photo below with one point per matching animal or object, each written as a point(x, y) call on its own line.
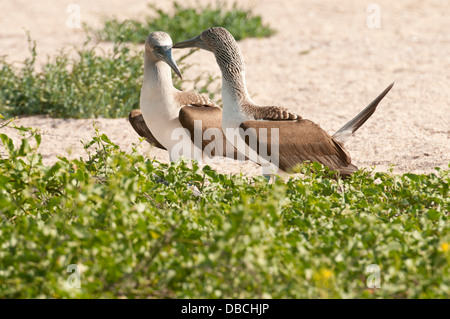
point(433, 214)
point(8, 143)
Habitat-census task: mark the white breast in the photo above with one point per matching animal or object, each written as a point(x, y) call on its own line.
point(232, 118)
point(160, 113)
point(232, 115)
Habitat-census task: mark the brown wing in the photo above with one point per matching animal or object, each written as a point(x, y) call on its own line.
point(300, 141)
point(211, 118)
point(138, 123)
point(195, 106)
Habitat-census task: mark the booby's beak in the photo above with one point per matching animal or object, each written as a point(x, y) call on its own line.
point(195, 42)
point(171, 62)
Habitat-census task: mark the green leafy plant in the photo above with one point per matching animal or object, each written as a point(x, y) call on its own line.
point(92, 85)
point(186, 23)
point(133, 228)
point(108, 85)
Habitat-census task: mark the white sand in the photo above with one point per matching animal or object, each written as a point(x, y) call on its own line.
point(324, 63)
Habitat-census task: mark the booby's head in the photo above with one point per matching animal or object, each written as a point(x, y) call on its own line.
point(158, 47)
point(212, 39)
point(220, 42)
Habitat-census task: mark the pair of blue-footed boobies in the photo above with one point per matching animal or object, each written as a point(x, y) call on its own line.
point(170, 116)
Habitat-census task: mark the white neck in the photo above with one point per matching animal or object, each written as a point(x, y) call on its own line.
point(234, 96)
point(157, 103)
point(157, 78)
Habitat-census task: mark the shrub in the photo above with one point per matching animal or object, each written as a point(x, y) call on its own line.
point(186, 23)
point(92, 85)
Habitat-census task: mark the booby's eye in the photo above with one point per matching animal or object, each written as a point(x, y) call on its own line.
point(159, 50)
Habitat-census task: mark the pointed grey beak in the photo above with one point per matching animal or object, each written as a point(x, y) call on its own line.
point(195, 42)
point(171, 62)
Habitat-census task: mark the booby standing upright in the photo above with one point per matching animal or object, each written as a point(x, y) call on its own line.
point(298, 139)
point(168, 115)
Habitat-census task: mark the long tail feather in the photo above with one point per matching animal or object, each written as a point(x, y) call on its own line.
point(352, 126)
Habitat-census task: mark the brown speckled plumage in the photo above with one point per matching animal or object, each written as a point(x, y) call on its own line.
point(184, 98)
point(229, 58)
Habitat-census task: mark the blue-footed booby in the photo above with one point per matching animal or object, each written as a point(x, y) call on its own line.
point(184, 123)
point(297, 139)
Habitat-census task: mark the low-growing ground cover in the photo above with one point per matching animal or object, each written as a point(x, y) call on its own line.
point(132, 227)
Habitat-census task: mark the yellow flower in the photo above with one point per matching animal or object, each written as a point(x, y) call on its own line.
point(326, 274)
point(154, 235)
point(445, 247)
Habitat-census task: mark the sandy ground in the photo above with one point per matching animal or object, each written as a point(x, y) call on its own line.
point(326, 63)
